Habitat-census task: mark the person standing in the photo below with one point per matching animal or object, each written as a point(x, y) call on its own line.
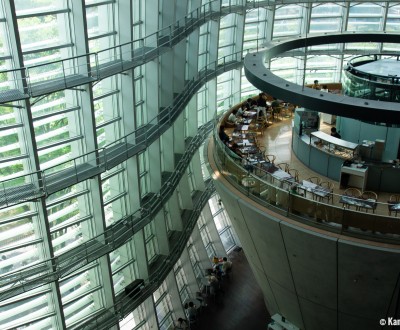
point(222, 135)
point(226, 265)
point(334, 133)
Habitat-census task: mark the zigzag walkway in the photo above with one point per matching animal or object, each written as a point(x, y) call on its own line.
point(115, 236)
point(94, 163)
point(129, 55)
point(124, 305)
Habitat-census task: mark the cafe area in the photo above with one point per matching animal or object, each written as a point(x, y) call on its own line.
point(334, 176)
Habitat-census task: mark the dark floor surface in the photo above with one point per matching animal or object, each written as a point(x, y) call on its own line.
point(239, 305)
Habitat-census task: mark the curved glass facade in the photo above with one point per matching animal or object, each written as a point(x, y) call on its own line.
point(104, 106)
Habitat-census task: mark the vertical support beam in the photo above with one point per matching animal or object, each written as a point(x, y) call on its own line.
point(175, 212)
point(141, 255)
point(189, 272)
point(98, 226)
point(185, 193)
point(28, 144)
point(212, 229)
point(161, 233)
point(197, 173)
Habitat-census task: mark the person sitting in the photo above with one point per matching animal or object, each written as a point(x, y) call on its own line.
point(235, 148)
point(248, 104)
point(334, 133)
point(275, 105)
point(232, 117)
point(222, 135)
point(182, 324)
point(324, 89)
point(316, 85)
point(294, 191)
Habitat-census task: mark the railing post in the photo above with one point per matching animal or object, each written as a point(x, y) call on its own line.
point(96, 61)
point(63, 68)
point(105, 158)
point(76, 171)
point(5, 194)
point(126, 146)
point(43, 181)
point(119, 47)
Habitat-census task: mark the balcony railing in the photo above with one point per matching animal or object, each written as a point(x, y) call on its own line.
point(115, 236)
point(43, 79)
point(275, 195)
point(43, 183)
point(125, 304)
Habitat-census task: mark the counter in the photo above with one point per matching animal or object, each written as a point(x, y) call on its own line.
point(380, 177)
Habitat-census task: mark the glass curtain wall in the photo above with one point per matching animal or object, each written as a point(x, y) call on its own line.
point(82, 102)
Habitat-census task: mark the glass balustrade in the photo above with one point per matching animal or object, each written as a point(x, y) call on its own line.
point(275, 194)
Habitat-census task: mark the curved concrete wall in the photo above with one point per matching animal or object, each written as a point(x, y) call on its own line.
point(315, 278)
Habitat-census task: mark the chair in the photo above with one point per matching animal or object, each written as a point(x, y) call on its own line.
point(283, 166)
point(262, 148)
point(294, 173)
point(393, 200)
point(270, 158)
point(327, 185)
point(259, 129)
point(262, 122)
point(314, 179)
point(351, 192)
point(371, 197)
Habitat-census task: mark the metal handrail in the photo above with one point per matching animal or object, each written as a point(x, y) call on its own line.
point(28, 279)
point(203, 14)
point(111, 316)
point(171, 112)
point(333, 214)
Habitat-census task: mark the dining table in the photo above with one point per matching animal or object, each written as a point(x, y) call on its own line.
point(282, 176)
point(316, 190)
point(394, 207)
point(359, 203)
point(242, 128)
point(245, 150)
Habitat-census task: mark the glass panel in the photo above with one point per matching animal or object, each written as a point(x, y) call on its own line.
point(28, 7)
point(23, 311)
point(42, 32)
point(365, 17)
point(99, 19)
point(78, 303)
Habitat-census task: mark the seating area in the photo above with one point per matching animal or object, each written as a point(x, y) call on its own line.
point(268, 154)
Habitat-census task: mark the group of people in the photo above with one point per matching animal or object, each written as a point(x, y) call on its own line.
point(220, 268)
point(259, 104)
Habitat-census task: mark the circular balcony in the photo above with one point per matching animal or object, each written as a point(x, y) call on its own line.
point(374, 77)
point(320, 263)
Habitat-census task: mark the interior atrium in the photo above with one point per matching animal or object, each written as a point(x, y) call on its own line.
point(106, 111)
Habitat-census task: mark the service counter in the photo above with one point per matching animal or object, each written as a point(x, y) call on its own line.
point(328, 161)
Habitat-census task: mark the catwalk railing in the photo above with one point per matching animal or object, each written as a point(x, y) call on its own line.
point(276, 195)
point(105, 319)
point(26, 82)
point(115, 236)
point(43, 183)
